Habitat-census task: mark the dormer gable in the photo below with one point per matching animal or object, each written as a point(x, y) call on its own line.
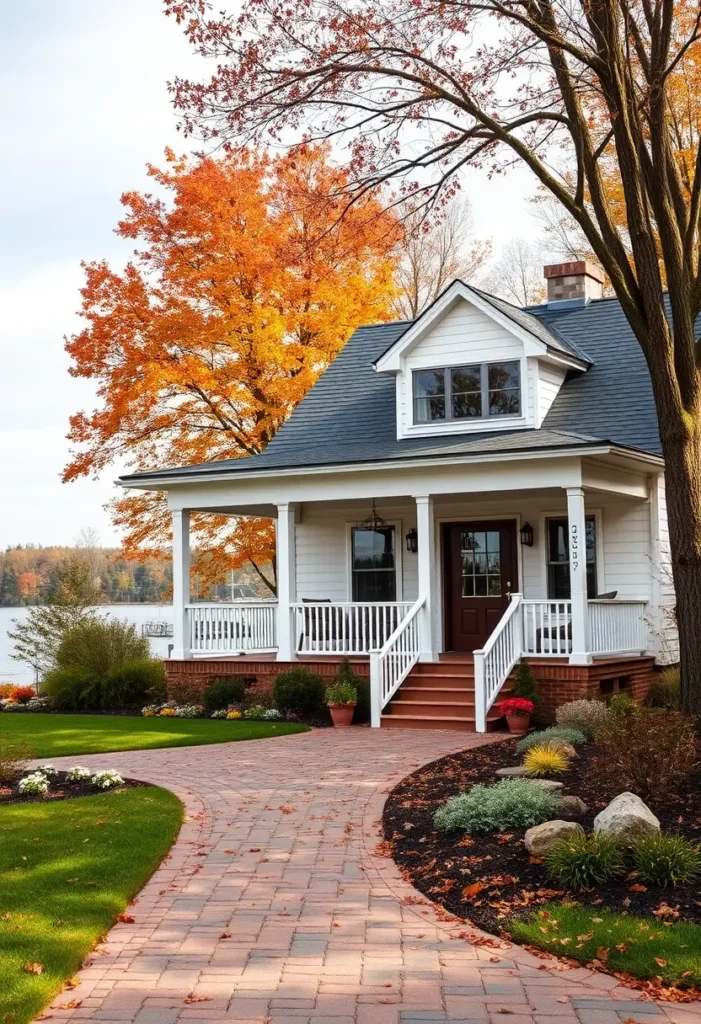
point(473, 362)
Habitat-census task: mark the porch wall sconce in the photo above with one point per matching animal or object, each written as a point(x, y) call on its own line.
point(526, 532)
point(412, 541)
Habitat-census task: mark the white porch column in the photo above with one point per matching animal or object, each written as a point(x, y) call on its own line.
point(286, 580)
point(181, 583)
point(425, 528)
point(577, 527)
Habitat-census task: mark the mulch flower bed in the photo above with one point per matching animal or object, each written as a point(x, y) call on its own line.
point(60, 789)
point(488, 877)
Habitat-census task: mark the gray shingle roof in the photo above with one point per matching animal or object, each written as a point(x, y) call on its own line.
point(349, 415)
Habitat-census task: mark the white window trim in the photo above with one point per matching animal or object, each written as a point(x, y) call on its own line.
point(477, 424)
point(601, 583)
point(398, 557)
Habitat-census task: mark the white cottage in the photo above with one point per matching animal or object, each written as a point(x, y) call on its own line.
point(482, 484)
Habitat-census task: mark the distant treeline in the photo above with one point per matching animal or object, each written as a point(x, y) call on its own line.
point(28, 575)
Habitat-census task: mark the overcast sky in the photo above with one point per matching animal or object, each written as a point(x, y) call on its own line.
point(85, 106)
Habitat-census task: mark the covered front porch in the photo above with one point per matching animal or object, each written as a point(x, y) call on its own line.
point(529, 568)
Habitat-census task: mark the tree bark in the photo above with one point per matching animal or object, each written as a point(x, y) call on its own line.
point(681, 444)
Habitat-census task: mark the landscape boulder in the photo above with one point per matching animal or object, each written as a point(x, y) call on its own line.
point(541, 838)
point(549, 784)
point(511, 773)
point(627, 817)
point(573, 806)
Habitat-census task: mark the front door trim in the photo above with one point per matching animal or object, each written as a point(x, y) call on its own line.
point(445, 524)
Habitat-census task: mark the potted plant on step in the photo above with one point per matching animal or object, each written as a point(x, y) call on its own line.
point(341, 698)
point(518, 711)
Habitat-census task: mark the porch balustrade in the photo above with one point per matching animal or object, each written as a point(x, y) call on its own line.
point(615, 627)
point(344, 627)
point(240, 628)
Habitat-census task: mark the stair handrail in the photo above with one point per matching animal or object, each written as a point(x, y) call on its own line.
point(392, 663)
point(496, 660)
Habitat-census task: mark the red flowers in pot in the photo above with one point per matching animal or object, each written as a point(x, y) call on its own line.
point(518, 713)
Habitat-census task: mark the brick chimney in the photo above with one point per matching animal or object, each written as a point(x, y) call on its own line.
point(579, 281)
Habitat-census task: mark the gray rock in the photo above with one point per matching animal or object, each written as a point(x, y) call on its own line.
point(573, 807)
point(627, 817)
point(549, 784)
point(541, 838)
point(510, 773)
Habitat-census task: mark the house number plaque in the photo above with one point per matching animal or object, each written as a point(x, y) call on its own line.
point(574, 547)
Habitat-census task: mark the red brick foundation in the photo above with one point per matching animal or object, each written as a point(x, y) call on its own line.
point(559, 682)
point(187, 680)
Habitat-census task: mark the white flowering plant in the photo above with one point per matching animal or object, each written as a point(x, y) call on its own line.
point(35, 784)
point(78, 774)
point(47, 770)
point(107, 779)
point(188, 711)
point(220, 713)
point(272, 715)
point(39, 704)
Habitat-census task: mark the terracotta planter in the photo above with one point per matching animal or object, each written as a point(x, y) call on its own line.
point(518, 722)
point(342, 714)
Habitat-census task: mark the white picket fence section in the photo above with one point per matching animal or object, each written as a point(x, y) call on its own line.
point(240, 628)
point(617, 627)
point(547, 627)
point(494, 663)
point(344, 627)
point(390, 666)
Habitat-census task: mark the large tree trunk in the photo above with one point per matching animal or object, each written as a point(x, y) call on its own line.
point(681, 443)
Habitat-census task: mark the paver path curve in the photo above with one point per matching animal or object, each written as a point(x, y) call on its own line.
point(275, 907)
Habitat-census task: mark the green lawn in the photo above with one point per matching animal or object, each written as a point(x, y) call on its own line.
point(67, 869)
point(644, 947)
point(54, 735)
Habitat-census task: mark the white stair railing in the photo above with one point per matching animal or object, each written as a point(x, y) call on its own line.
point(390, 666)
point(247, 626)
point(494, 663)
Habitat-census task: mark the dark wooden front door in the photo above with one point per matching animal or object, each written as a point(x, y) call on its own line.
point(480, 571)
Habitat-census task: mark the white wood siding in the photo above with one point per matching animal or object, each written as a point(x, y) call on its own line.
point(550, 379)
point(624, 541)
point(465, 335)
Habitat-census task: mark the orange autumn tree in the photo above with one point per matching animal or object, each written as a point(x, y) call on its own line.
point(245, 284)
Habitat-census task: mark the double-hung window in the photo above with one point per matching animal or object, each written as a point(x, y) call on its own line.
point(479, 391)
point(559, 558)
point(373, 565)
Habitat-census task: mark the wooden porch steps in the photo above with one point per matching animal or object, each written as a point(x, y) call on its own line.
point(438, 695)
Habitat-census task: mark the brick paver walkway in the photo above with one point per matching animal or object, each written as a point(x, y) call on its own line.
point(274, 905)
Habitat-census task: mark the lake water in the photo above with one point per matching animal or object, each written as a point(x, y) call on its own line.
point(17, 672)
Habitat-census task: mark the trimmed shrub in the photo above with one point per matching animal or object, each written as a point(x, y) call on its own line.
point(300, 692)
point(574, 737)
point(184, 692)
point(73, 689)
point(585, 860)
point(545, 759)
point(511, 803)
point(131, 683)
point(622, 706)
point(650, 753)
point(666, 692)
point(586, 715)
point(526, 685)
point(666, 860)
point(14, 759)
point(222, 692)
point(6, 689)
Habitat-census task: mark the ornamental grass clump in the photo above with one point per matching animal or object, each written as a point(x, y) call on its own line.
point(545, 759)
point(575, 737)
point(588, 716)
point(667, 860)
point(511, 803)
point(585, 860)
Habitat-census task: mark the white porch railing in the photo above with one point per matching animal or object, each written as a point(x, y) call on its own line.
point(390, 666)
point(344, 627)
point(617, 627)
point(243, 627)
point(547, 627)
point(494, 663)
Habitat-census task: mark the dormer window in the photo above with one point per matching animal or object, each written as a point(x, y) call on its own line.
point(466, 392)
